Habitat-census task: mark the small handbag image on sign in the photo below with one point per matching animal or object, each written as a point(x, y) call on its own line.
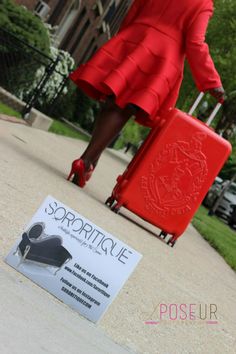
point(45, 250)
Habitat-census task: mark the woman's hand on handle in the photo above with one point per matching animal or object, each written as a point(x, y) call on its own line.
point(218, 93)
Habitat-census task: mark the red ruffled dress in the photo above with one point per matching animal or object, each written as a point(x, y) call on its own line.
point(143, 63)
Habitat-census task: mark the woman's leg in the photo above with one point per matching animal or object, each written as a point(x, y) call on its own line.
point(108, 124)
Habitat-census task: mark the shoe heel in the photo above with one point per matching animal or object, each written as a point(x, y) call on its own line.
point(74, 167)
point(79, 172)
point(70, 174)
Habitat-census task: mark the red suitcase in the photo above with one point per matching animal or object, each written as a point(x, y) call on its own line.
point(173, 170)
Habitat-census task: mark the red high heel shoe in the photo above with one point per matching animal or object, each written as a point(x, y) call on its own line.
point(81, 176)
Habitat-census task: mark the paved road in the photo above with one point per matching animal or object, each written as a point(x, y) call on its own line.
point(33, 165)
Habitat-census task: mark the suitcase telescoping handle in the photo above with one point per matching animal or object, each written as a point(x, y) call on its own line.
point(214, 112)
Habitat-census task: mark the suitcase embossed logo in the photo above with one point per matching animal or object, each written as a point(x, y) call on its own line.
point(175, 177)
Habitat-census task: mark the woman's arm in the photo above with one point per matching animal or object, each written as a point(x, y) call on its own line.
point(198, 56)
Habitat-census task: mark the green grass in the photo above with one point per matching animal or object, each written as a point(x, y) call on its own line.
point(56, 127)
point(62, 129)
point(9, 111)
point(218, 234)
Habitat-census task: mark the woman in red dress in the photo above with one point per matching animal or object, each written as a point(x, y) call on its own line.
point(139, 71)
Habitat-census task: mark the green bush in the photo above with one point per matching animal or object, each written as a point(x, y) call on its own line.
point(66, 105)
point(25, 25)
point(86, 111)
point(19, 62)
point(132, 133)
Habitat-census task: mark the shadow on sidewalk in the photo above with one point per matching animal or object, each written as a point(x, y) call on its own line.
point(143, 227)
point(129, 218)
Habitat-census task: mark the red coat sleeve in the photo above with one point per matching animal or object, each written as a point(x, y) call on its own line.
point(131, 14)
point(198, 56)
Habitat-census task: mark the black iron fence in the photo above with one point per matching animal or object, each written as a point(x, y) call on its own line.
point(28, 73)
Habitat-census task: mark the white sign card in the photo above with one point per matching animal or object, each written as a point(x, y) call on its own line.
point(72, 258)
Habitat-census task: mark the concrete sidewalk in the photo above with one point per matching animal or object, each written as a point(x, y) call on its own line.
point(35, 164)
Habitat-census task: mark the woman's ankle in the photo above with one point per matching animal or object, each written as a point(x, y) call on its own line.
point(90, 161)
point(87, 162)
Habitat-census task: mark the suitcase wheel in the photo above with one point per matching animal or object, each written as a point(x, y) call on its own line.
point(116, 208)
point(171, 243)
point(110, 201)
point(163, 234)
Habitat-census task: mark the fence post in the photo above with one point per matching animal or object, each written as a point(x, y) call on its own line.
point(38, 90)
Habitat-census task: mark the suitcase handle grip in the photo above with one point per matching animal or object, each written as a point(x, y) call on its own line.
point(214, 112)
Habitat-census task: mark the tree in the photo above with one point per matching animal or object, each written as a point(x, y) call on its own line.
point(221, 37)
point(222, 40)
point(227, 124)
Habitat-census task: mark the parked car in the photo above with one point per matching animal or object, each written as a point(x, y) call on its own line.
point(226, 206)
point(213, 193)
point(232, 219)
